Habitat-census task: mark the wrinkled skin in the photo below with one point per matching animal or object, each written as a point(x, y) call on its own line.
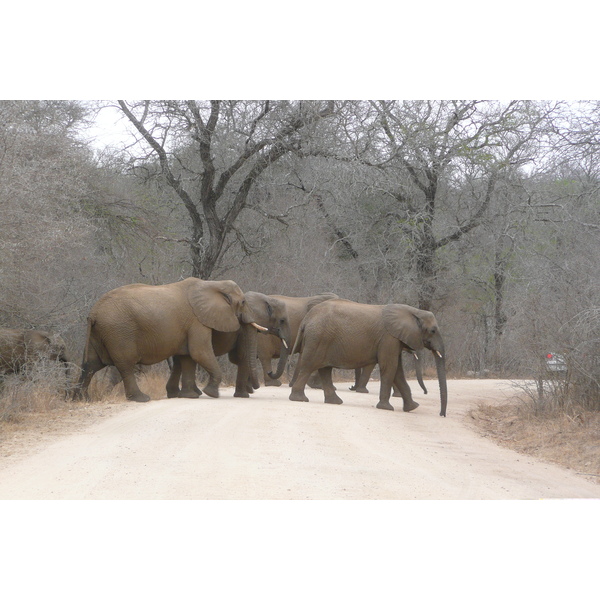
point(21, 348)
point(146, 324)
point(270, 347)
point(349, 335)
point(268, 312)
point(362, 376)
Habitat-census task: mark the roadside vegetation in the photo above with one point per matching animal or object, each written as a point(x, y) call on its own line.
point(486, 213)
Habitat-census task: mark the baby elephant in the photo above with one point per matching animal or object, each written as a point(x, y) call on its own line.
point(348, 335)
point(20, 348)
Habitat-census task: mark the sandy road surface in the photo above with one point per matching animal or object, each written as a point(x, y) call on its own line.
point(267, 447)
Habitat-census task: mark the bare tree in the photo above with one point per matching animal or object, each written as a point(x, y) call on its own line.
point(425, 150)
point(212, 154)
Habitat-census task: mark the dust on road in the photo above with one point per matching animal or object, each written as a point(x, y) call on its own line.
point(267, 447)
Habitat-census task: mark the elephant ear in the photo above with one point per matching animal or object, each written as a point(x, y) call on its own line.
point(404, 323)
point(214, 304)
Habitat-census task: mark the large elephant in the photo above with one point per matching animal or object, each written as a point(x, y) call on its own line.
point(270, 347)
point(21, 348)
point(362, 376)
point(349, 335)
point(270, 313)
point(146, 324)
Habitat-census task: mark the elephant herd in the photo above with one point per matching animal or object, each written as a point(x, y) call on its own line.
point(192, 322)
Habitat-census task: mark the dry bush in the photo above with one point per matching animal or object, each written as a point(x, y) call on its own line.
point(572, 441)
point(41, 387)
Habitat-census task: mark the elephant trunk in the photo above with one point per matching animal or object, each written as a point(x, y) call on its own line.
point(283, 356)
point(440, 363)
point(286, 347)
point(419, 370)
point(251, 357)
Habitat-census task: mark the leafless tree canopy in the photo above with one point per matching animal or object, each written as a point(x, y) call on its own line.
point(485, 212)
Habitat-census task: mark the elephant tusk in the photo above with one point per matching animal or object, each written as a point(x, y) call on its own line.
point(416, 356)
point(439, 354)
point(285, 344)
point(259, 327)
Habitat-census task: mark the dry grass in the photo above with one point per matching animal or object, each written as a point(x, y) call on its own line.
point(34, 409)
point(572, 441)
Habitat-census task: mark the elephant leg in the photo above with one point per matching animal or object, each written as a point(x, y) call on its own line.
point(173, 381)
point(404, 389)
point(201, 351)
point(299, 380)
point(385, 386)
point(132, 391)
point(315, 382)
point(88, 370)
point(211, 366)
point(328, 388)
point(362, 377)
point(357, 373)
point(242, 383)
point(189, 389)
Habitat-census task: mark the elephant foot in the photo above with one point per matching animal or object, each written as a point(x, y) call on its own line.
point(241, 394)
point(272, 382)
point(335, 399)
point(384, 405)
point(188, 394)
point(141, 397)
point(411, 405)
point(361, 389)
point(298, 397)
point(211, 390)
point(397, 395)
point(173, 393)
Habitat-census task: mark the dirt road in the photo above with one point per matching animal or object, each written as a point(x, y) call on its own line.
point(267, 447)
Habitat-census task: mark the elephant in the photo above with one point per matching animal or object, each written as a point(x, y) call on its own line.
point(146, 324)
point(270, 347)
point(113, 377)
point(349, 335)
point(362, 376)
point(21, 348)
point(270, 313)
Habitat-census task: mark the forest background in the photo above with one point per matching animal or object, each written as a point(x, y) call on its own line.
point(485, 212)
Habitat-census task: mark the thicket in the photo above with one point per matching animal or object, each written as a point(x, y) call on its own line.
point(486, 213)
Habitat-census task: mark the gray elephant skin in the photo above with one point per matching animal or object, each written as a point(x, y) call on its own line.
point(270, 347)
point(147, 324)
point(349, 335)
point(270, 313)
point(21, 348)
